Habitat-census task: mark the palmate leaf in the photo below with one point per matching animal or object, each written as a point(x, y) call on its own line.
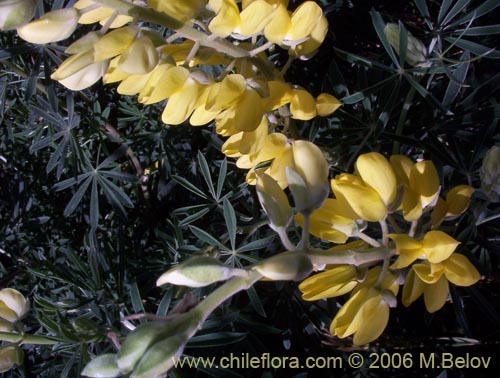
point(475, 48)
point(460, 73)
point(230, 218)
point(205, 171)
point(456, 9)
point(379, 25)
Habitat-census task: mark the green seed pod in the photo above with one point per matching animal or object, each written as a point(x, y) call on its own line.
point(103, 366)
point(416, 51)
point(286, 266)
point(199, 271)
point(490, 174)
point(14, 13)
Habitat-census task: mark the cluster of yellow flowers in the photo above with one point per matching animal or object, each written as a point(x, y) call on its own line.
point(382, 189)
point(251, 103)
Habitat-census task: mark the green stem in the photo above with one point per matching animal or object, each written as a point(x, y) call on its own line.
point(348, 257)
point(367, 239)
point(224, 292)
point(285, 240)
point(385, 232)
point(26, 338)
point(413, 228)
point(305, 230)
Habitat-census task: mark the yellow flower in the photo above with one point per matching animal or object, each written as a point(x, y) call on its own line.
point(115, 43)
point(80, 71)
point(334, 282)
point(365, 315)
point(436, 246)
point(51, 27)
point(369, 194)
point(327, 222)
point(456, 203)
point(140, 58)
point(421, 183)
point(326, 104)
point(431, 280)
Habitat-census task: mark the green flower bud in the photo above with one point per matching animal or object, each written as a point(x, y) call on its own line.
point(13, 305)
point(160, 357)
point(416, 51)
point(144, 336)
point(286, 266)
point(10, 356)
point(103, 366)
point(198, 272)
point(274, 202)
point(51, 27)
point(14, 13)
point(490, 174)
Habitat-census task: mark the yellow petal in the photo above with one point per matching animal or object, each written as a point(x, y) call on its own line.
point(51, 27)
point(408, 249)
point(304, 20)
point(181, 104)
point(412, 289)
point(277, 30)
point(181, 10)
point(343, 324)
point(375, 315)
point(252, 141)
point(459, 270)
point(231, 146)
point(438, 246)
point(280, 93)
point(132, 84)
point(435, 295)
point(227, 19)
point(140, 58)
point(249, 110)
point(326, 104)
point(306, 50)
point(115, 42)
point(331, 283)
point(331, 213)
point(119, 21)
point(226, 93)
point(94, 15)
point(377, 173)
point(201, 116)
point(279, 164)
point(171, 80)
point(412, 206)
point(86, 76)
point(427, 274)
point(458, 199)
point(424, 181)
point(255, 17)
point(402, 166)
point(83, 44)
point(273, 145)
point(325, 230)
point(364, 201)
point(73, 64)
point(302, 106)
point(439, 212)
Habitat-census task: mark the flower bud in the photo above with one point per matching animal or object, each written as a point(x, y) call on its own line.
point(51, 27)
point(14, 13)
point(490, 174)
point(308, 176)
point(198, 272)
point(10, 356)
point(274, 202)
point(13, 305)
point(103, 366)
point(416, 51)
point(144, 336)
point(286, 266)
